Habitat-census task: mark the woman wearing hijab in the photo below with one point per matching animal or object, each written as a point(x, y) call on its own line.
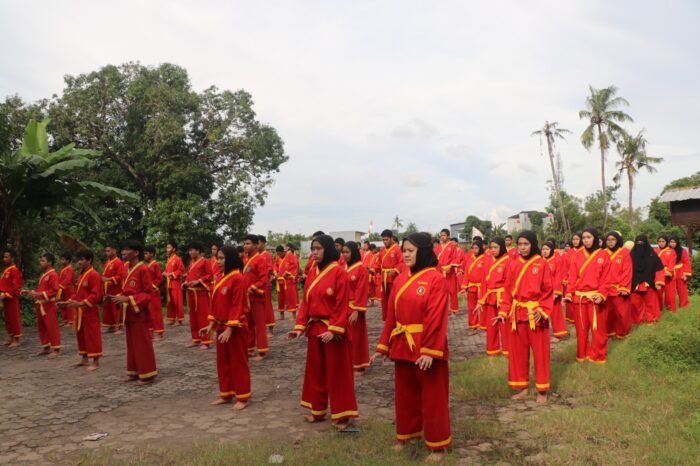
point(415, 338)
point(358, 282)
point(647, 278)
point(474, 273)
point(588, 288)
point(575, 248)
point(227, 315)
point(682, 271)
point(528, 301)
point(323, 317)
point(667, 255)
point(555, 262)
point(618, 302)
point(491, 296)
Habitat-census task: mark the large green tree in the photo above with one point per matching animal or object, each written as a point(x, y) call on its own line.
point(633, 158)
point(604, 119)
point(484, 226)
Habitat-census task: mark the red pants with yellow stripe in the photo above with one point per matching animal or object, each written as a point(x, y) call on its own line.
point(682, 289)
point(111, 315)
point(156, 308)
point(619, 317)
point(452, 289)
point(667, 295)
point(49, 333)
point(422, 403)
point(592, 343)
point(496, 334)
point(474, 319)
point(270, 319)
point(257, 327)
point(328, 376)
point(140, 356)
point(232, 364)
point(13, 320)
point(87, 322)
point(521, 341)
point(198, 307)
point(287, 297)
point(558, 321)
point(644, 306)
point(359, 342)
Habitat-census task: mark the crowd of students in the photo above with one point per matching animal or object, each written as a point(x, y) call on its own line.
point(514, 293)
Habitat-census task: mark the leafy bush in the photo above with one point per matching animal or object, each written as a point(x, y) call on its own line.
point(677, 347)
point(694, 282)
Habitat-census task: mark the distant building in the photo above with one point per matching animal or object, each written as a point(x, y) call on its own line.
point(305, 246)
point(457, 231)
point(523, 220)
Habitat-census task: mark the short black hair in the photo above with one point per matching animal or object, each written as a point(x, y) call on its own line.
point(387, 234)
point(232, 259)
point(508, 237)
point(11, 252)
point(67, 256)
point(195, 245)
point(445, 230)
point(435, 240)
point(217, 244)
point(85, 254)
point(454, 239)
point(318, 233)
point(279, 248)
point(339, 241)
point(240, 249)
point(252, 238)
point(365, 242)
point(262, 239)
point(372, 247)
point(151, 249)
point(50, 258)
point(112, 245)
point(172, 243)
point(291, 246)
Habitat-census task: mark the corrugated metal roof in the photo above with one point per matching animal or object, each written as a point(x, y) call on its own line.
point(683, 194)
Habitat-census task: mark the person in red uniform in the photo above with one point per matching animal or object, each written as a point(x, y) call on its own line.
point(448, 261)
point(44, 297)
point(286, 270)
point(575, 247)
point(391, 264)
point(415, 338)
point(588, 288)
point(528, 301)
point(156, 306)
point(682, 271)
point(85, 301)
point(618, 302)
point(357, 303)
point(213, 262)
point(197, 283)
point(256, 275)
point(491, 295)
point(667, 295)
point(368, 263)
point(310, 263)
point(66, 286)
point(648, 277)
point(227, 316)
point(474, 272)
point(112, 276)
point(556, 266)
point(134, 299)
point(174, 270)
point(10, 287)
point(461, 257)
point(323, 317)
point(270, 320)
point(512, 250)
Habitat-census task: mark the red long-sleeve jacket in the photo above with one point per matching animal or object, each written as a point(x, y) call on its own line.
point(228, 300)
point(138, 287)
point(256, 274)
point(156, 275)
point(66, 283)
point(620, 271)
point(89, 289)
point(475, 269)
point(494, 281)
point(589, 276)
point(528, 288)
point(11, 282)
point(324, 304)
point(358, 287)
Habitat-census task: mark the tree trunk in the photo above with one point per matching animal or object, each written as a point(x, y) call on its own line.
point(602, 179)
point(557, 190)
point(630, 182)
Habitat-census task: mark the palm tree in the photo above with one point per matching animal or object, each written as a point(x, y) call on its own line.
point(398, 223)
point(500, 229)
point(603, 118)
point(633, 158)
point(551, 131)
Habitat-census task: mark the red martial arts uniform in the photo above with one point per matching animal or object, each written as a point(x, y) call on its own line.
point(448, 261)
point(474, 272)
point(173, 288)
point(114, 270)
point(390, 261)
point(10, 287)
point(556, 267)
point(416, 325)
point(357, 301)
point(270, 320)
point(368, 261)
point(528, 289)
point(87, 318)
point(569, 313)
point(682, 272)
point(490, 297)
point(589, 277)
point(328, 374)
point(461, 257)
point(287, 269)
point(644, 300)
point(667, 295)
point(156, 304)
point(215, 271)
point(140, 357)
point(618, 306)
point(46, 312)
point(256, 275)
point(66, 289)
point(198, 298)
point(228, 302)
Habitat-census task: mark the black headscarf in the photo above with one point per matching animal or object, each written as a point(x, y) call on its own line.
point(330, 253)
point(551, 247)
point(645, 262)
point(479, 243)
point(596, 240)
point(618, 239)
point(501, 246)
point(663, 237)
point(679, 248)
point(531, 237)
point(354, 252)
point(425, 256)
point(232, 261)
point(580, 240)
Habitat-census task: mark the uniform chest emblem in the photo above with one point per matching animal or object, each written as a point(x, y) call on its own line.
point(619, 261)
point(249, 269)
point(132, 283)
point(329, 291)
point(420, 291)
point(479, 265)
point(535, 270)
point(600, 260)
point(85, 285)
point(353, 278)
point(224, 290)
point(46, 279)
point(500, 269)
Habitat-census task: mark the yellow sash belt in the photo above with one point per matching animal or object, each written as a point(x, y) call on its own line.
point(407, 330)
point(589, 295)
point(41, 305)
point(531, 307)
point(78, 322)
point(499, 295)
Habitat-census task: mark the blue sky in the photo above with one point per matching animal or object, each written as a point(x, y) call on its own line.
point(411, 108)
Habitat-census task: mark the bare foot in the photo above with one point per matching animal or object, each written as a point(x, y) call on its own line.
point(397, 447)
point(54, 354)
point(118, 331)
point(203, 347)
point(178, 323)
point(93, 367)
point(14, 344)
point(82, 362)
point(520, 395)
point(192, 345)
point(143, 382)
point(281, 316)
point(43, 352)
point(472, 332)
point(360, 373)
point(220, 401)
point(130, 379)
point(7, 342)
point(341, 425)
point(311, 419)
point(541, 398)
point(171, 323)
point(259, 357)
point(158, 337)
point(239, 405)
point(435, 457)
point(555, 340)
